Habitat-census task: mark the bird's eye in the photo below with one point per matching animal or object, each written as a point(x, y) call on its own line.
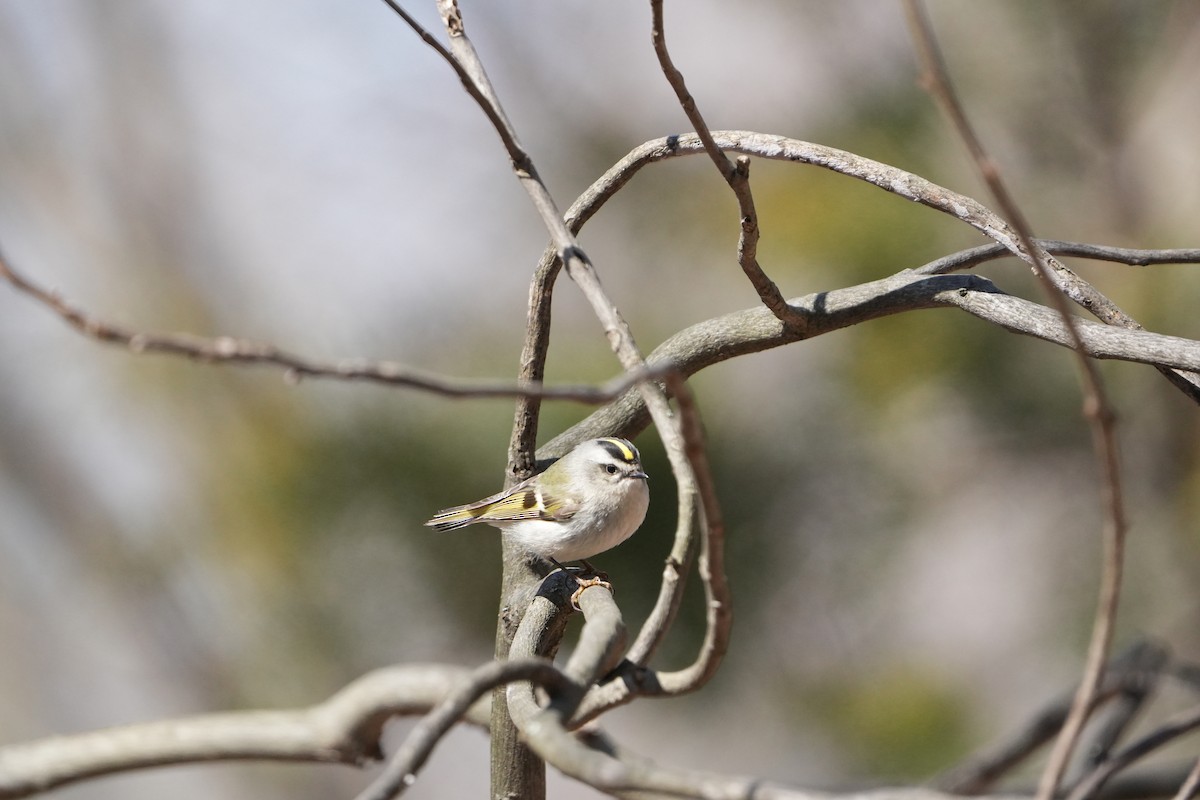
point(611, 469)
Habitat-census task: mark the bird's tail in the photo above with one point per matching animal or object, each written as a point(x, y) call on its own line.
point(451, 519)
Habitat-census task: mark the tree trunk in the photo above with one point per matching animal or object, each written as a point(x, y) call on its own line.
point(516, 773)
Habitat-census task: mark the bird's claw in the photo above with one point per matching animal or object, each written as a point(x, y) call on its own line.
point(597, 579)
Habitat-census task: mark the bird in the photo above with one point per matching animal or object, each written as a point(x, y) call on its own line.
point(583, 504)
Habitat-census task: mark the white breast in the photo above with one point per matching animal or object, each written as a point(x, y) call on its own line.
point(584, 535)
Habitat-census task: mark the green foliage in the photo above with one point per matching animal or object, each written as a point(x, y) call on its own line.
point(901, 723)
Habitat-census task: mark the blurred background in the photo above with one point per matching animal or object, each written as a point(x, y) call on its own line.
point(912, 504)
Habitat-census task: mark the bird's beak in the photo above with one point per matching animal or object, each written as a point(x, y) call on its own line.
point(639, 474)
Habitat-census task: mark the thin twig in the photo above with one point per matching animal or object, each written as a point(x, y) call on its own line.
point(965, 259)
point(1096, 408)
point(535, 348)
point(711, 564)
point(484, 98)
point(589, 203)
point(1169, 731)
point(1191, 786)
point(231, 350)
point(736, 175)
point(700, 345)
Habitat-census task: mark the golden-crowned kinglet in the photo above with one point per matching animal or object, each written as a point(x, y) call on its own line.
point(588, 501)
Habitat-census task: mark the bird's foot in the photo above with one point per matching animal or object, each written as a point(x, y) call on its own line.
point(597, 579)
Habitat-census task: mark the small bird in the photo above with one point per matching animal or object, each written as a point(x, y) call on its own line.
point(588, 501)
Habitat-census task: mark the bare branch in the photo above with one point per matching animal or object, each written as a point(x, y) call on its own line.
point(756, 329)
point(580, 269)
point(230, 350)
point(965, 259)
point(345, 729)
point(1131, 674)
point(736, 175)
point(1186, 382)
point(1096, 408)
point(469, 72)
point(465, 62)
point(903, 184)
point(535, 348)
point(606, 767)
point(1179, 725)
point(1137, 675)
point(1191, 785)
point(633, 679)
point(718, 606)
point(517, 574)
point(401, 770)
point(602, 640)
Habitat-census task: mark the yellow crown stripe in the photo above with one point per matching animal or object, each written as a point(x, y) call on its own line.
point(627, 452)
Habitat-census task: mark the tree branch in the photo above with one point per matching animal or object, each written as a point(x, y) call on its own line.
point(401, 770)
point(736, 175)
point(243, 352)
point(343, 729)
point(903, 184)
point(965, 259)
point(633, 679)
point(1132, 674)
point(1096, 409)
point(1191, 785)
point(1179, 725)
point(583, 273)
point(754, 330)
point(516, 572)
point(608, 768)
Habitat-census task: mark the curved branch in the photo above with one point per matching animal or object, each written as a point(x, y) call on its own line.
point(238, 351)
point(754, 330)
point(343, 729)
point(634, 679)
point(401, 770)
point(900, 183)
point(608, 768)
point(602, 640)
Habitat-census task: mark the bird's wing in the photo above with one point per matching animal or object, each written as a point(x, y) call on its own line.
point(530, 502)
point(523, 501)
